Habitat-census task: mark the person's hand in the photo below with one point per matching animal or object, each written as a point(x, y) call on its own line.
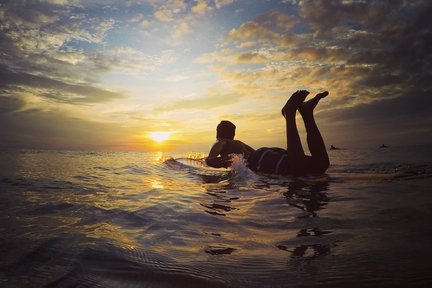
point(219, 162)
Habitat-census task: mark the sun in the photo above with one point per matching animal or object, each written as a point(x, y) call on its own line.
point(159, 136)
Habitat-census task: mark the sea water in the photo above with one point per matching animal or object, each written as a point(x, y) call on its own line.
point(99, 219)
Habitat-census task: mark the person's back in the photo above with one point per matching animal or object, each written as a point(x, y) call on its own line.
point(234, 147)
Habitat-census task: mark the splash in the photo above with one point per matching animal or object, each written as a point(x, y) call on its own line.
point(240, 170)
point(196, 155)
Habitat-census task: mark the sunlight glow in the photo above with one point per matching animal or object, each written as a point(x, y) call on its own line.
point(159, 136)
point(156, 184)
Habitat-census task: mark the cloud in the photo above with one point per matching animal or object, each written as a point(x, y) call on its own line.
point(182, 15)
point(220, 3)
point(10, 104)
point(58, 128)
point(129, 60)
point(44, 41)
point(168, 11)
point(251, 58)
point(269, 28)
point(212, 100)
point(252, 31)
point(56, 90)
point(44, 71)
point(402, 121)
point(41, 52)
point(175, 78)
point(57, 53)
point(181, 29)
point(373, 56)
point(36, 128)
point(277, 20)
point(201, 7)
point(163, 14)
point(352, 47)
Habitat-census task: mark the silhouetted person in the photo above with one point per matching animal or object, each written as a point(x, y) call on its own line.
point(277, 160)
point(334, 148)
point(226, 145)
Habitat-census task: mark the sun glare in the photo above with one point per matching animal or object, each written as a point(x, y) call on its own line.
point(159, 136)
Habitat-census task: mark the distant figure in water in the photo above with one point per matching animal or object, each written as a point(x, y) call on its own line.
point(334, 148)
point(293, 160)
point(384, 146)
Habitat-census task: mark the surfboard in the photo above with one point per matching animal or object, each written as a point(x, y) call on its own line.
point(199, 167)
point(198, 164)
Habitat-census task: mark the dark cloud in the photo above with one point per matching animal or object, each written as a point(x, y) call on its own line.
point(277, 21)
point(375, 56)
point(394, 50)
point(326, 17)
point(414, 104)
point(36, 128)
point(250, 58)
point(82, 93)
point(37, 50)
point(40, 58)
point(403, 120)
point(392, 38)
point(10, 104)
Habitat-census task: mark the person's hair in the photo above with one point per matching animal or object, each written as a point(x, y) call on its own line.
point(225, 129)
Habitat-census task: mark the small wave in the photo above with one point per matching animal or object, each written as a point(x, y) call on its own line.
point(103, 168)
point(40, 263)
point(47, 185)
point(133, 267)
point(134, 170)
point(219, 250)
point(394, 171)
point(53, 208)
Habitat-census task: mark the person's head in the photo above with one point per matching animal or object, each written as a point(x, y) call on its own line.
point(225, 129)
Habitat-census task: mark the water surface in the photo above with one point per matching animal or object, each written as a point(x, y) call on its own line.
point(92, 219)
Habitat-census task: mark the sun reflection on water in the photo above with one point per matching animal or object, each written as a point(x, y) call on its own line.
point(158, 156)
point(156, 184)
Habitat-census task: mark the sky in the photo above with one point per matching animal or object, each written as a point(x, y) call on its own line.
point(109, 75)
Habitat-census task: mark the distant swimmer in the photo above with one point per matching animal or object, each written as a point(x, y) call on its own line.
point(334, 148)
point(384, 146)
point(292, 160)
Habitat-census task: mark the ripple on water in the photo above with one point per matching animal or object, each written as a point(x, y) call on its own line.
point(133, 267)
point(114, 220)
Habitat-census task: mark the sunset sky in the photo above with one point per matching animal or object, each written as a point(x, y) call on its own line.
point(104, 75)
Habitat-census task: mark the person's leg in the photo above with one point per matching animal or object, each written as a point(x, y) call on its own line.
point(319, 160)
point(295, 150)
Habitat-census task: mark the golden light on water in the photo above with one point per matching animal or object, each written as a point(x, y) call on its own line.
point(159, 136)
point(158, 156)
point(156, 184)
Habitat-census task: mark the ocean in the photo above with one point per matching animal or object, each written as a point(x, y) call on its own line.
point(123, 219)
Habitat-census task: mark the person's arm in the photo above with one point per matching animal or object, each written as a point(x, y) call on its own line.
point(217, 162)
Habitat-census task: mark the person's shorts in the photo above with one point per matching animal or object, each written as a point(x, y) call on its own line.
point(269, 160)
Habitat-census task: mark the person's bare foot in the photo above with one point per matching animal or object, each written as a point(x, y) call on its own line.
point(294, 102)
point(309, 106)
